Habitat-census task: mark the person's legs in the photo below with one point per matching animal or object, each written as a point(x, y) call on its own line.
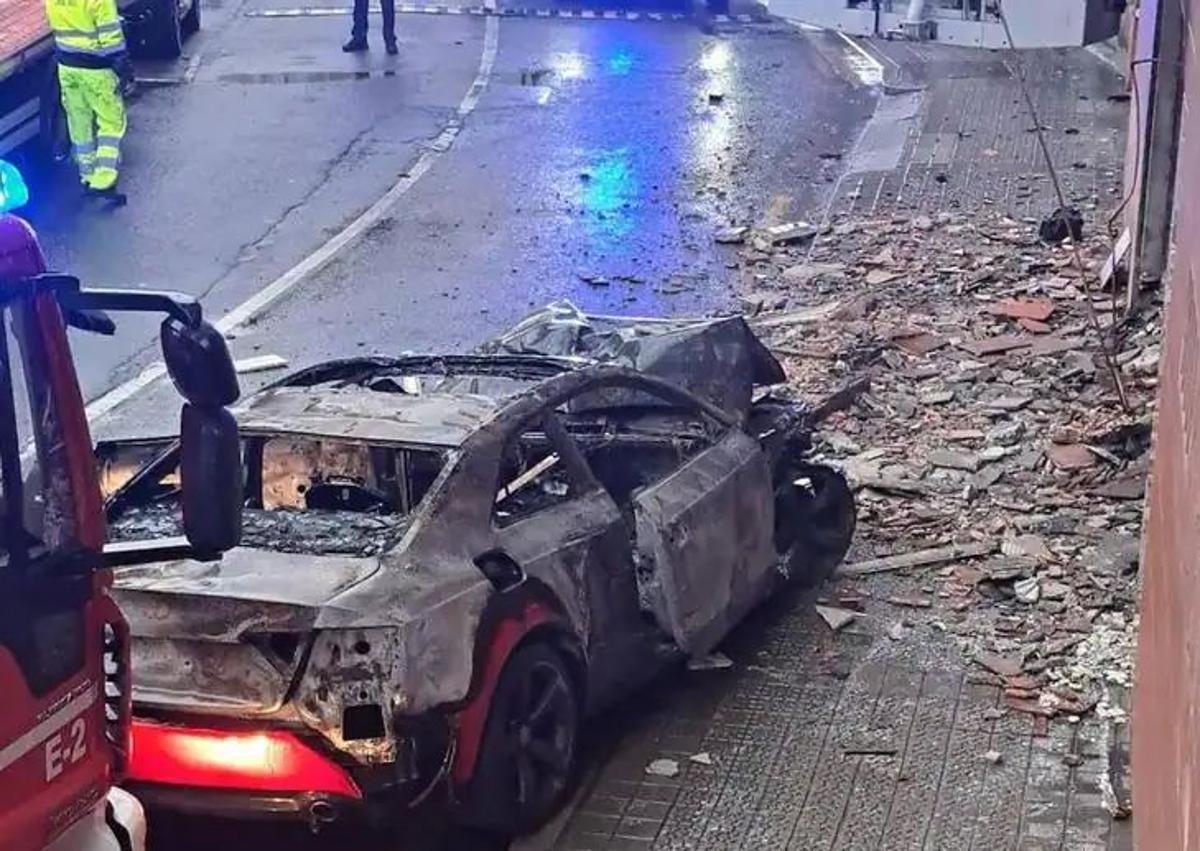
point(104, 96)
point(389, 24)
point(80, 122)
point(358, 35)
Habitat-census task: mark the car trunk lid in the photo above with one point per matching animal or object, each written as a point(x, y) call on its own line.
point(227, 636)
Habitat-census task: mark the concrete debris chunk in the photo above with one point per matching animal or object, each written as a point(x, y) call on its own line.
point(1028, 590)
point(1070, 457)
point(790, 232)
point(1030, 546)
point(1037, 309)
point(951, 460)
point(919, 558)
point(715, 661)
point(703, 758)
point(259, 363)
point(731, 236)
point(1004, 666)
point(997, 345)
point(836, 618)
point(992, 757)
point(663, 768)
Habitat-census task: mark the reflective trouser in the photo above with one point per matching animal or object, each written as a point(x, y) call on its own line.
point(91, 98)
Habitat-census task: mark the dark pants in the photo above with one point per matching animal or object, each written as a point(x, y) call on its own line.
point(389, 19)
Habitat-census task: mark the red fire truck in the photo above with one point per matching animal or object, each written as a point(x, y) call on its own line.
point(64, 675)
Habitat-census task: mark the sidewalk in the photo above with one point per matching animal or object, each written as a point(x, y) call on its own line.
point(956, 710)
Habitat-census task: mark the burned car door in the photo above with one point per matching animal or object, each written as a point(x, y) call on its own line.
point(704, 541)
point(555, 524)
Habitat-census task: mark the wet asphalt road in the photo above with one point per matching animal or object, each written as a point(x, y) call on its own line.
point(597, 149)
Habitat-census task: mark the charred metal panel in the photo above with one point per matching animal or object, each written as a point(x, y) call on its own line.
point(719, 360)
point(704, 542)
point(357, 413)
point(206, 676)
point(262, 576)
point(557, 546)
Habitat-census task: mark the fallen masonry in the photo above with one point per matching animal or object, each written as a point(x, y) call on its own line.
point(997, 476)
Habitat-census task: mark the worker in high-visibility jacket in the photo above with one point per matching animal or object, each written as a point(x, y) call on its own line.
point(90, 50)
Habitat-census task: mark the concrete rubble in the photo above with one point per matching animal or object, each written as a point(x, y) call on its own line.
point(996, 472)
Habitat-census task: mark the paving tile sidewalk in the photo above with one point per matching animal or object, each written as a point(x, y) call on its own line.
point(854, 740)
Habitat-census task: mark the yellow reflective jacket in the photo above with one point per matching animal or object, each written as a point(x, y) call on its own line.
point(87, 27)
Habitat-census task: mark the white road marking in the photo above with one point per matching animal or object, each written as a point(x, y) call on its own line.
point(314, 262)
point(866, 67)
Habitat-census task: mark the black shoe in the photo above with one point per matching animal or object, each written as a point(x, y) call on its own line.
point(355, 45)
point(391, 48)
point(111, 195)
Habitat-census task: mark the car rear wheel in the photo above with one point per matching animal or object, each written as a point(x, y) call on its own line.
point(815, 517)
point(164, 35)
point(529, 749)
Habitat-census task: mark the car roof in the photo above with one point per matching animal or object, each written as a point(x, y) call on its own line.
point(362, 414)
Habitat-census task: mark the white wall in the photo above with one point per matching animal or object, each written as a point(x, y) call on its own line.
point(1035, 23)
point(831, 14)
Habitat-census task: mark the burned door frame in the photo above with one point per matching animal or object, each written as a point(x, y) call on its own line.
point(564, 546)
point(704, 584)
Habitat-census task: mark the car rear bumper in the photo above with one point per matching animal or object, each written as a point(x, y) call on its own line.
point(119, 824)
point(310, 808)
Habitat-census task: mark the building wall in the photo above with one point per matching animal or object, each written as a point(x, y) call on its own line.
point(1166, 712)
point(1035, 23)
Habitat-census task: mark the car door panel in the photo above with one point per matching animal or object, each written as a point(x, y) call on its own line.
point(561, 547)
point(704, 542)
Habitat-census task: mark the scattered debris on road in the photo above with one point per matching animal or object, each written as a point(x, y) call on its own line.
point(836, 618)
point(712, 662)
point(663, 768)
point(991, 436)
point(259, 363)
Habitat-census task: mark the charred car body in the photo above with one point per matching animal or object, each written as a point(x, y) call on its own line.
point(448, 562)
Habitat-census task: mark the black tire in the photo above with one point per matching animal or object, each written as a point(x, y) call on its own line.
point(190, 25)
point(163, 37)
point(530, 746)
point(815, 516)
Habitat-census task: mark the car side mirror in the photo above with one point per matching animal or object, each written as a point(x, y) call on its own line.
point(210, 469)
point(199, 363)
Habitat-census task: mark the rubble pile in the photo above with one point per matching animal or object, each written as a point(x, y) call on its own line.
point(992, 424)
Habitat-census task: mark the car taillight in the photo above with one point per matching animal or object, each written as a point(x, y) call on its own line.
point(267, 761)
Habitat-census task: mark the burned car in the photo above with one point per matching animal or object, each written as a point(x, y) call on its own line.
point(447, 562)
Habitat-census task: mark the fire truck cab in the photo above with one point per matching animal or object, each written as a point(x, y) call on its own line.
point(64, 661)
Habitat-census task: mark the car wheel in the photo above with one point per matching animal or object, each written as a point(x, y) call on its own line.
point(190, 25)
point(164, 36)
point(529, 748)
point(815, 517)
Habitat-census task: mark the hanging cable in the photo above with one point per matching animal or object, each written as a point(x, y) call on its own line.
point(1109, 359)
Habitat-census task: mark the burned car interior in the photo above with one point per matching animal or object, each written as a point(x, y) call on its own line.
point(302, 494)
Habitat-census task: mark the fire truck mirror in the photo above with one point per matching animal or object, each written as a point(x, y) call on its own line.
point(211, 478)
point(199, 363)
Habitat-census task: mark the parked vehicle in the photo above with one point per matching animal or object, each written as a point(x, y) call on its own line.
point(448, 562)
point(29, 102)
